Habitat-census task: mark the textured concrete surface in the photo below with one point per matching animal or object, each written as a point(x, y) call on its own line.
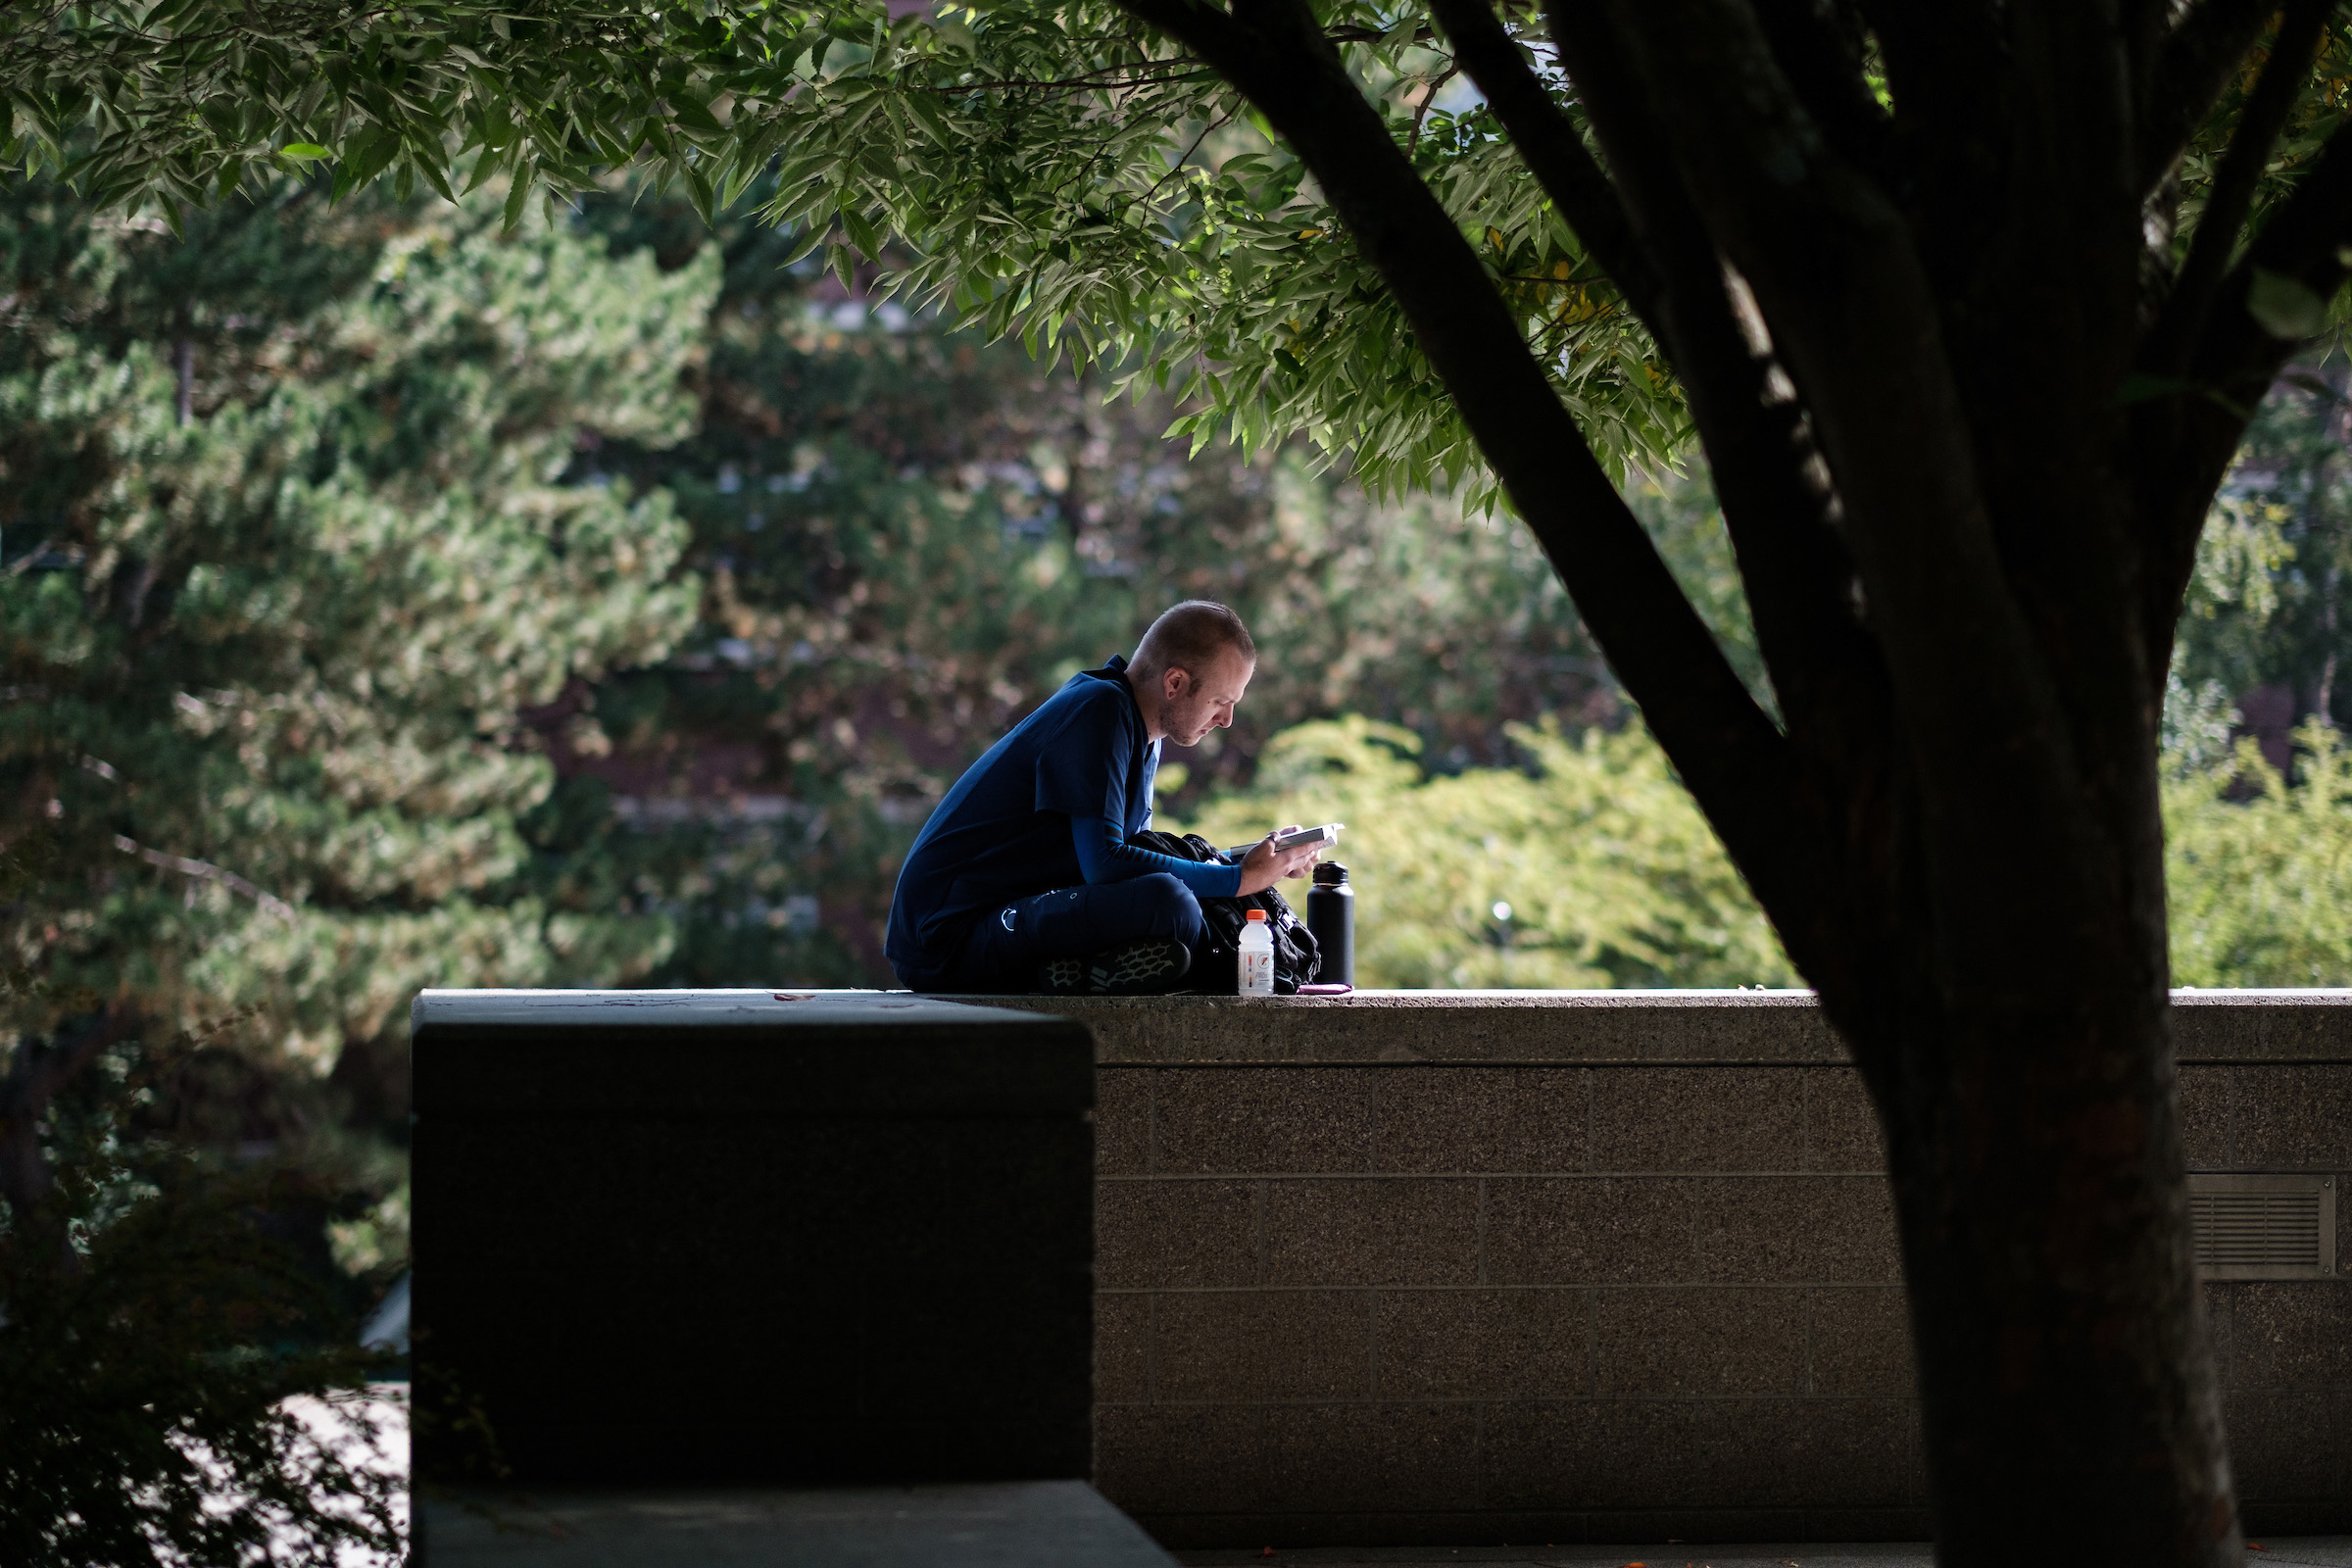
point(1039, 1524)
point(1652, 1027)
point(798, 1238)
point(1364, 1279)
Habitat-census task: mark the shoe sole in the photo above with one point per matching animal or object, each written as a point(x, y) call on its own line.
point(1139, 967)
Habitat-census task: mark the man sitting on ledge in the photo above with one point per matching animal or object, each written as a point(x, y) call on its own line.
point(1023, 878)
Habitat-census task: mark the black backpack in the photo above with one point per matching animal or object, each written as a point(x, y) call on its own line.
point(1216, 962)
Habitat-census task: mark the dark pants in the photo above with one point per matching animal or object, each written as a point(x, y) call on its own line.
point(1005, 947)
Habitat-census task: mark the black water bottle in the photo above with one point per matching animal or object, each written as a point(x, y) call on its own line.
point(1331, 918)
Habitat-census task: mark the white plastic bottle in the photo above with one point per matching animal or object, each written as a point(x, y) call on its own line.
point(1257, 955)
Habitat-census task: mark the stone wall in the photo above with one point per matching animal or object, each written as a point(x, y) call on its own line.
point(1471, 1267)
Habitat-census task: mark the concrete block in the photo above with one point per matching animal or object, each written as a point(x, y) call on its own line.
point(1657, 1454)
point(2205, 1117)
point(2289, 1333)
point(1333, 1458)
point(1811, 1229)
point(1187, 1234)
point(2290, 1444)
point(1697, 1118)
point(1181, 1459)
point(1528, 1119)
point(1372, 1231)
point(1239, 1347)
point(1598, 1230)
point(2262, 1025)
point(2291, 1116)
point(811, 1241)
point(1122, 1348)
point(1699, 1342)
point(1858, 1342)
point(1841, 1125)
point(1271, 1120)
point(1122, 1121)
point(1510, 1343)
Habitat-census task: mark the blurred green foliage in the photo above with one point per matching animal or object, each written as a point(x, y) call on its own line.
point(2266, 607)
point(1586, 865)
point(266, 663)
point(2259, 872)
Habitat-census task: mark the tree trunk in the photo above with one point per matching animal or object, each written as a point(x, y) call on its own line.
point(2069, 1400)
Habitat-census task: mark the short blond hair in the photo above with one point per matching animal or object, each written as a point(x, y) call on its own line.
point(1189, 637)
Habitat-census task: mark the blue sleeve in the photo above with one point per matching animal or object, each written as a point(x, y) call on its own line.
point(1104, 857)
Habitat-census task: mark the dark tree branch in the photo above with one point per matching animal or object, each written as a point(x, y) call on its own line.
point(2181, 444)
point(1947, 67)
point(2183, 320)
point(1728, 749)
point(1820, 52)
point(1548, 143)
point(2194, 65)
point(1779, 502)
point(1836, 271)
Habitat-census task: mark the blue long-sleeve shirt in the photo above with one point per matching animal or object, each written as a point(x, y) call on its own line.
point(1105, 855)
point(1004, 831)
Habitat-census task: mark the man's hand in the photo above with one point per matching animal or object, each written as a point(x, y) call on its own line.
point(1264, 864)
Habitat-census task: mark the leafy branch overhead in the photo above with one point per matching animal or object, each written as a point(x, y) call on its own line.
point(1061, 173)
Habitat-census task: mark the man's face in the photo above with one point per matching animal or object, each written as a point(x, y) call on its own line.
point(1191, 706)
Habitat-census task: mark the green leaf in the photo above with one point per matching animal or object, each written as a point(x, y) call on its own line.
point(863, 234)
point(692, 114)
point(307, 151)
point(2283, 307)
point(517, 198)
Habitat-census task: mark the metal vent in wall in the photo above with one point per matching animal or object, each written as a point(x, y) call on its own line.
point(2263, 1227)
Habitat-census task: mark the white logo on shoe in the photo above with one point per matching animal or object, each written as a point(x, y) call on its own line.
point(1007, 918)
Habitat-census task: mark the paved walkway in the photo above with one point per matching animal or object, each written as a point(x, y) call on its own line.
point(2308, 1552)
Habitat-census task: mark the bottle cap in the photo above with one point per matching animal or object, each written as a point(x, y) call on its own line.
point(1330, 874)
point(1254, 915)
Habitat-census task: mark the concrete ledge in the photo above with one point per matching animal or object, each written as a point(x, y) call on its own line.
point(1631, 1027)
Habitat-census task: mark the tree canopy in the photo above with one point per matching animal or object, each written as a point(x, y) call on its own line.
point(1968, 304)
point(1060, 173)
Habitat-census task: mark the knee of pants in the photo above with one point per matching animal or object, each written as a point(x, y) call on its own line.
point(1174, 904)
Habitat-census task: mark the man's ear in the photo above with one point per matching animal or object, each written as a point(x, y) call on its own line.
point(1174, 683)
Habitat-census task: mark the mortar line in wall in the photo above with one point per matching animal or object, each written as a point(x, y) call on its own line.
point(1258, 1199)
point(1152, 1129)
point(2228, 1115)
point(1805, 1119)
point(1478, 1455)
point(1805, 1306)
point(1591, 1334)
point(1482, 1230)
point(1586, 1142)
